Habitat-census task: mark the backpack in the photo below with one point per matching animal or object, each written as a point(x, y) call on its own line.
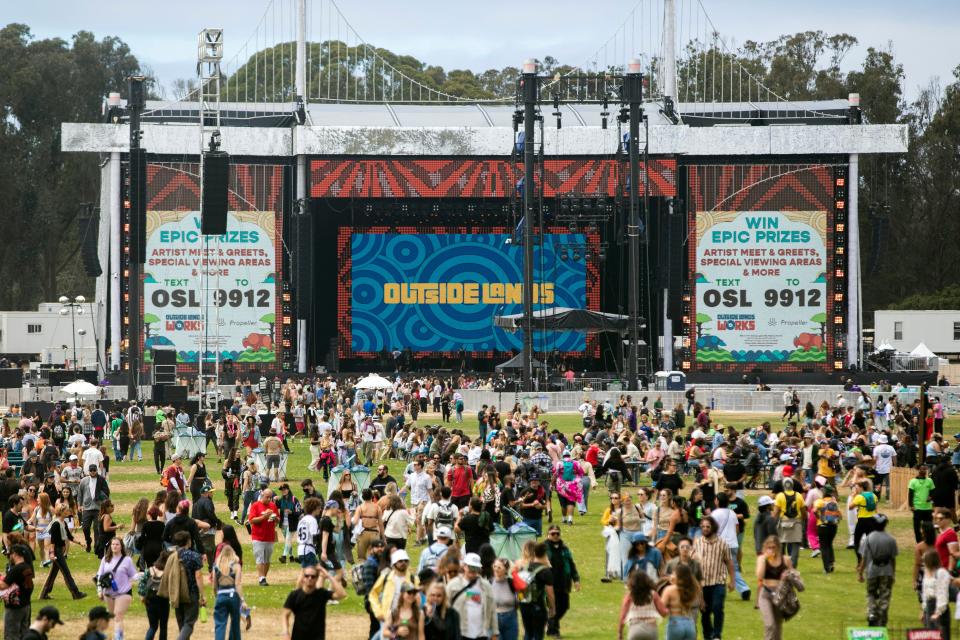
point(830, 512)
point(444, 515)
point(356, 575)
point(568, 472)
point(149, 585)
point(871, 500)
point(791, 510)
point(533, 593)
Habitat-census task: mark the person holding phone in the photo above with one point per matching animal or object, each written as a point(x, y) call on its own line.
point(264, 517)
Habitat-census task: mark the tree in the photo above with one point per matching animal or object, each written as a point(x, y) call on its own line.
point(44, 83)
point(821, 319)
point(270, 320)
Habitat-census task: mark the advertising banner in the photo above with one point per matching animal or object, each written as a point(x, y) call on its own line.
point(761, 286)
point(242, 269)
point(439, 292)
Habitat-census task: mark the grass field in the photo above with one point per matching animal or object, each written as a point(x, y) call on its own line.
point(829, 604)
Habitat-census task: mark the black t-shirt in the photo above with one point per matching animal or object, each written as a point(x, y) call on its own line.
point(310, 613)
point(503, 469)
point(22, 576)
point(326, 525)
point(544, 579)
point(379, 484)
point(33, 634)
point(740, 507)
point(10, 520)
point(475, 535)
point(670, 481)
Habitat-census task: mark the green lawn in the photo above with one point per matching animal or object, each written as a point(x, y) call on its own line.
point(830, 602)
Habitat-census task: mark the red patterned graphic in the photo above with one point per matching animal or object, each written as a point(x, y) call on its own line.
point(470, 178)
point(345, 286)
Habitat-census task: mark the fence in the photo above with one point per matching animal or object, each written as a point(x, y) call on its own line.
point(721, 398)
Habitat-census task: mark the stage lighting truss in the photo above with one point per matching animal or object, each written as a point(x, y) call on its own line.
point(837, 303)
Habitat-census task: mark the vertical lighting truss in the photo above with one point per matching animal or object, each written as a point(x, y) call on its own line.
point(288, 346)
point(839, 267)
point(685, 348)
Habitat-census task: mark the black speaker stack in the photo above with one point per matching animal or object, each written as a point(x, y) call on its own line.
point(138, 205)
point(213, 208)
point(89, 223)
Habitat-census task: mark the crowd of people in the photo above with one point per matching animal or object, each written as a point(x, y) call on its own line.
point(678, 545)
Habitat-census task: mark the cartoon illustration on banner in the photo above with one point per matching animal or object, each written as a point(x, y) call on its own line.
point(242, 279)
point(760, 279)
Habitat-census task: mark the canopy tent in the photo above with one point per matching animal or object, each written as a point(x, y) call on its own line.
point(373, 382)
point(187, 441)
point(567, 319)
point(883, 346)
point(508, 543)
point(359, 473)
point(80, 388)
point(923, 351)
point(516, 362)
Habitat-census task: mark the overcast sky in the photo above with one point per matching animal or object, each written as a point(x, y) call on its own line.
point(495, 33)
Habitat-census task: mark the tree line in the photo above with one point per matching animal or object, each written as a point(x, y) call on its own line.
point(910, 204)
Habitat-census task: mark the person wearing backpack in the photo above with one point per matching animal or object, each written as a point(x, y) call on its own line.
point(471, 596)
point(918, 497)
point(878, 568)
point(157, 606)
point(537, 601)
point(791, 510)
point(569, 489)
point(828, 514)
point(864, 500)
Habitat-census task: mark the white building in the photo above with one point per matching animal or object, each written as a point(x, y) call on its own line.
point(904, 330)
point(47, 333)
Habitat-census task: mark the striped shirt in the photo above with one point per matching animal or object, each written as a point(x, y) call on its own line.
point(713, 554)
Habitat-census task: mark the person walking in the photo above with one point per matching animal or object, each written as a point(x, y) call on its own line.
point(640, 609)
point(864, 501)
point(935, 595)
point(770, 569)
point(60, 539)
point(466, 593)
point(184, 567)
point(508, 620)
point(386, 590)
point(228, 590)
point(264, 517)
point(681, 597)
point(115, 583)
point(717, 565)
point(565, 577)
point(441, 621)
point(97, 625)
point(537, 603)
point(919, 492)
point(877, 567)
point(307, 605)
point(790, 508)
point(16, 610)
point(157, 606)
point(827, 512)
point(92, 493)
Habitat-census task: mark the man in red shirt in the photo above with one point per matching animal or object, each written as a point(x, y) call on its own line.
point(593, 454)
point(264, 517)
point(460, 481)
point(174, 475)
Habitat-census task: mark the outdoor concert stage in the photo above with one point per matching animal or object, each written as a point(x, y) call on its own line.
point(403, 237)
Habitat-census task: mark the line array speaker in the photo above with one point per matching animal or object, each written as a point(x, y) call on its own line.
point(138, 205)
point(213, 208)
point(89, 228)
point(303, 259)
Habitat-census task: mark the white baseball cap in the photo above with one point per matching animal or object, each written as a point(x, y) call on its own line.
point(444, 531)
point(473, 560)
point(398, 556)
point(74, 457)
point(764, 501)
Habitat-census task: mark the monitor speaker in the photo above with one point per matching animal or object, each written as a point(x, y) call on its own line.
point(163, 356)
point(213, 208)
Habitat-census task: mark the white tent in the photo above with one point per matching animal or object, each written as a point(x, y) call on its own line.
point(80, 388)
point(923, 351)
point(883, 346)
point(373, 382)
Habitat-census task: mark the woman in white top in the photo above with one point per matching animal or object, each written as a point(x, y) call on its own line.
point(397, 522)
point(935, 594)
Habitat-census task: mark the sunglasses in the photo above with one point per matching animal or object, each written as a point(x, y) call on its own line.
point(553, 534)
